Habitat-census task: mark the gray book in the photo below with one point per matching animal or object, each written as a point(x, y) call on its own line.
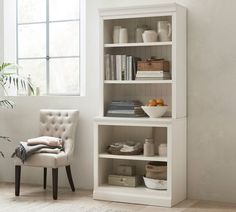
point(107, 66)
point(113, 67)
point(123, 66)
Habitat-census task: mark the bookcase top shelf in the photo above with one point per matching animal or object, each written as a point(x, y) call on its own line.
point(114, 45)
point(138, 82)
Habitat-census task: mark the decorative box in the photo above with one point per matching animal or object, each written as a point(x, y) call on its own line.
point(153, 65)
point(126, 170)
point(127, 181)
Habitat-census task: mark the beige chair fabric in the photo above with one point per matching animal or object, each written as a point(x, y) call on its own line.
point(56, 123)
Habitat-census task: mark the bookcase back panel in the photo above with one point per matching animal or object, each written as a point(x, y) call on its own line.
point(112, 134)
point(131, 24)
point(143, 52)
point(141, 92)
point(109, 167)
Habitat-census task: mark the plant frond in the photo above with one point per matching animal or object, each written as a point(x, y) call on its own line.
point(6, 103)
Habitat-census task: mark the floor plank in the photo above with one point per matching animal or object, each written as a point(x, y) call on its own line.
point(35, 198)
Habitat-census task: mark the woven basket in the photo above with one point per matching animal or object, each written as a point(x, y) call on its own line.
point(156, 170)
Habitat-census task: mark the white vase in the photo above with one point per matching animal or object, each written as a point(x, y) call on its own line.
point(164, 31)
point(162, 150)
point(116, 34)
point(149, 36)
point(123, 36)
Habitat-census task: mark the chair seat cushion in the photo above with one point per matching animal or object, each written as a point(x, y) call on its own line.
point(47, 160)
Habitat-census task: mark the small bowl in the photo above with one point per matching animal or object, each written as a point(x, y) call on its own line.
point(155, 111)
point(155, 184)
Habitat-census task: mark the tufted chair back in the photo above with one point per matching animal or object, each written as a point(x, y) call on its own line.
point(61, 124)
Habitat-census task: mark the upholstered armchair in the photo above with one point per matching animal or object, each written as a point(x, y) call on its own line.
point(56, 123)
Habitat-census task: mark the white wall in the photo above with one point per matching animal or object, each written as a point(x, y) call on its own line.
point(22, 122)
point(211, 102)
point(1, 31)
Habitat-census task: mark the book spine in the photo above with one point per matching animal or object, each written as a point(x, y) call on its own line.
point(123, 66)
point(113, 67)
point(130, 68)
point(127, 68)
point(153, 75)
point(107, 67)
point(150, 72)
point(118, 67)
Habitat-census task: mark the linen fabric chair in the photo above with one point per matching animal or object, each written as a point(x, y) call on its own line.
point(56, 123)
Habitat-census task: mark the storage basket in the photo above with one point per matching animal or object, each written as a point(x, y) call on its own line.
point(156, 170)
point(153, 65)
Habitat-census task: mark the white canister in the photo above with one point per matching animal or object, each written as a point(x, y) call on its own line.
point(164, 30)
point(116, 34)
point(149, 36)
point(148, 147)
point(123, 36)
point(162, 150)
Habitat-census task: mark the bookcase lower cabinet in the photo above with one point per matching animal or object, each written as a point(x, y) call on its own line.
point(172, 132)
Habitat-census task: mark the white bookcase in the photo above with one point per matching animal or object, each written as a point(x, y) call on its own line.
point(170, 129)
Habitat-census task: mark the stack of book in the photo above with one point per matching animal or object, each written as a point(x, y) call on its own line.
point(152, 75)
point(123, 108)
point(120, 67)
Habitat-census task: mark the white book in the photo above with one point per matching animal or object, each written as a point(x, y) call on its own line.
point(152, 78)
point(152, 72)
point(164, 74)
point(118, 67)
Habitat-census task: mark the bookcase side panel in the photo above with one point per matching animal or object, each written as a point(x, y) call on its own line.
point(181, 78)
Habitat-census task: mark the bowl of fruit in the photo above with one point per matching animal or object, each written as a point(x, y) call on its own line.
point(155, 108)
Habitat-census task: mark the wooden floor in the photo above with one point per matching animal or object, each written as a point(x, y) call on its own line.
point(34, 198)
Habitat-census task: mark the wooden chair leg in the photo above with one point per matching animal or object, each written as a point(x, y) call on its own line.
point(44, 178)
point(17, 180)
point(68, 172)
point(55, 182)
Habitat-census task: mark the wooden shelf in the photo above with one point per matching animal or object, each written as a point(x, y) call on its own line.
point(138, 81)
point(124, 121)
point(133, 157)
point(115, 45)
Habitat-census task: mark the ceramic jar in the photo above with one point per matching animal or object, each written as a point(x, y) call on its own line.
point(164, 31)
point(149, 36)
point(162, 150)
point(123, 36)
point(116, 34)
point(148, 147)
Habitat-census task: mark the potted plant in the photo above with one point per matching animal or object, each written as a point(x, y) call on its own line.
point(8, 77)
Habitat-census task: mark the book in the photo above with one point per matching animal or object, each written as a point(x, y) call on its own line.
point(123, 66)
point(124, 112)
point(152, 78)
point(122, 107)
point(152, 74)
point(107, 66)
point(118, 67)
point(126, 103)
point(134, 67)
point(126, 115)
point(113, 67)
